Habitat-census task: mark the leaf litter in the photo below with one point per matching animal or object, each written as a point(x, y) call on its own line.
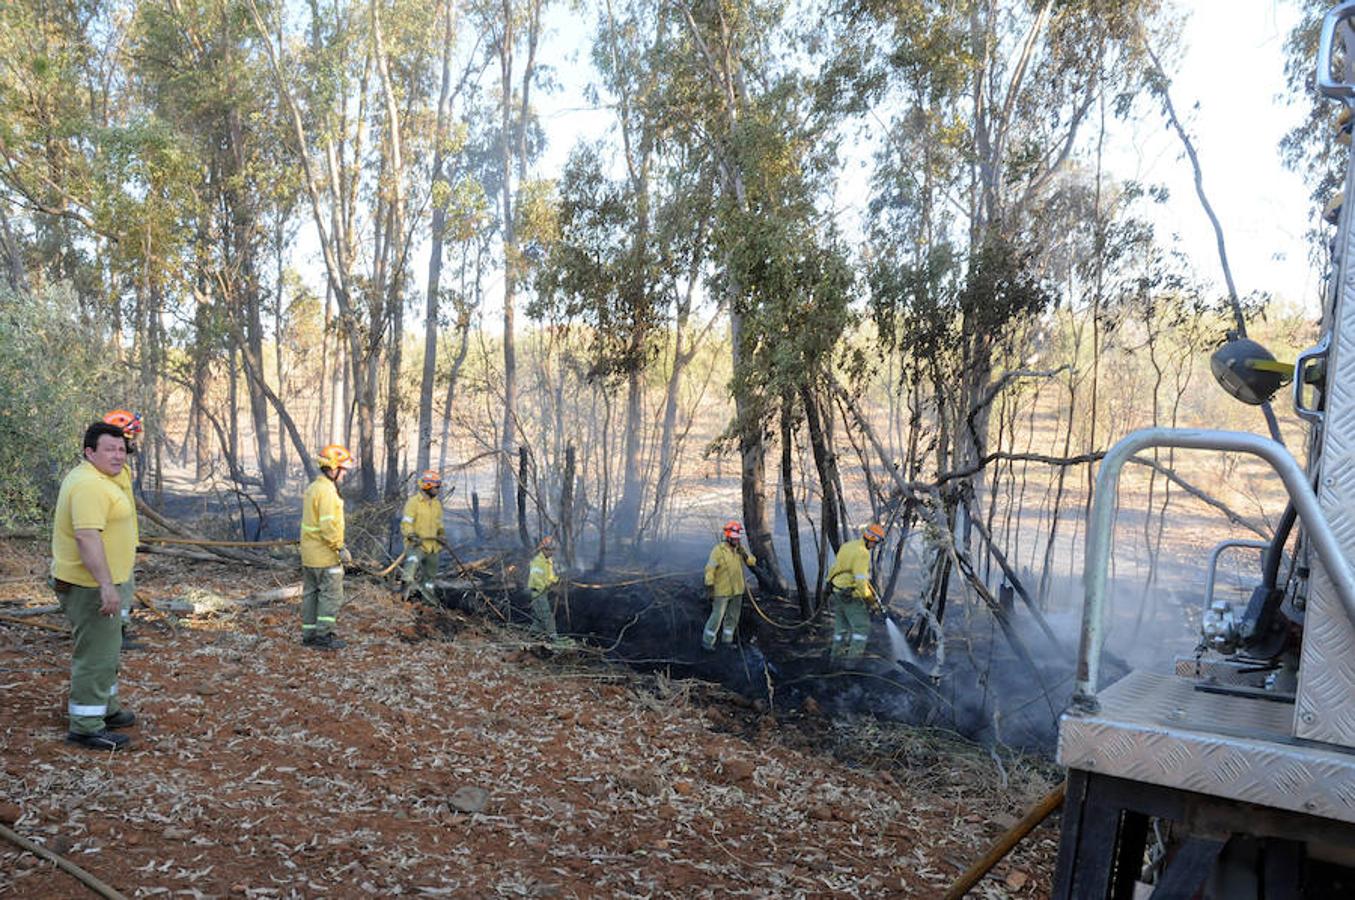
point(434, 757)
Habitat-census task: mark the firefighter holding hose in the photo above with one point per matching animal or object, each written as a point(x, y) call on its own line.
point(424, 535)
point(724, 586)
point(853, 594)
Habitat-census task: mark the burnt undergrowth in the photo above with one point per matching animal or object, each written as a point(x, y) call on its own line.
point(979, 689)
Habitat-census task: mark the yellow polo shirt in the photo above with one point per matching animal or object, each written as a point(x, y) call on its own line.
point(724, 570)
point(321, 524)
point(91, 500)
point(423, 519)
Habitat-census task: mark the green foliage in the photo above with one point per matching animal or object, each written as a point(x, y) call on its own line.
point(57, 374)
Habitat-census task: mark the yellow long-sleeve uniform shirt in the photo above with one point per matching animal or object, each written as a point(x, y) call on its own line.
point(724, 569)
point(851, 570)
point(321, 524)
point(89, 500)
point(423, 519)
point(542, 575)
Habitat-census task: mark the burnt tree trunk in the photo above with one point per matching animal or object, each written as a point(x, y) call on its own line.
point(788, 500)
point(825, 461)
point(522, 499)
point(567, 509)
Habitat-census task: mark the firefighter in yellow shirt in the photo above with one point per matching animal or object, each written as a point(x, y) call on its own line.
point(541, 578)
point(323, 553)
point(724, 586)
point(130, 423)
point(424, 535)
point(853, 594)
point(93, 549)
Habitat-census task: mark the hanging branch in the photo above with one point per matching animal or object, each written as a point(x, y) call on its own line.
point(1159, 84)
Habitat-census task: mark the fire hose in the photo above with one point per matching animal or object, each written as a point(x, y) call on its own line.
point(1013, 836)
point(62, 863)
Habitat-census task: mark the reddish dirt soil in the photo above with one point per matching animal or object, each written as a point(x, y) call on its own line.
point(261, 769)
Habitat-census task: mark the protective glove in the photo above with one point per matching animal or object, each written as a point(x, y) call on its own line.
point(710, 593)
point(345, 556)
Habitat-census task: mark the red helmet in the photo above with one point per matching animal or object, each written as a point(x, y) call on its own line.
point(129, 422)
point(430, 481)
point(873, 533)
point(733, 531)
point(334, 456)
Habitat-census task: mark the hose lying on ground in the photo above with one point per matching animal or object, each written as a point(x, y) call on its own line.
point(63, 864)
point(1037, 814)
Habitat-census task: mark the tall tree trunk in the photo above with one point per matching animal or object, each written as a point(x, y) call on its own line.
point(430, 319)
point(825, 461)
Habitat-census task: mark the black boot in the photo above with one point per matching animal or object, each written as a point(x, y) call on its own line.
point(328, 642)
point(99, 740)
point(123, 718)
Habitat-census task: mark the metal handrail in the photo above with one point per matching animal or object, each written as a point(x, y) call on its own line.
point(1335, 17)
point(1099, 535)
point(1319, 350)
point(1212, 571)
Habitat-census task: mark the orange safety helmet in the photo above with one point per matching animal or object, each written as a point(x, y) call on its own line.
point(733, 531)
point(334, 456)
point(873, 533)
point(430, 480)
point(129, 422)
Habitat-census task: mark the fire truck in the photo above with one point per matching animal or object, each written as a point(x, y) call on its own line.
point(1234, 775)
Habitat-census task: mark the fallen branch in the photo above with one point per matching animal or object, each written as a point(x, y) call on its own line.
point(263, 598)
point(15, 620)
point(922, 487)
point(63, 864)
point(204, 542)
point(222, 552)
point(27, 611)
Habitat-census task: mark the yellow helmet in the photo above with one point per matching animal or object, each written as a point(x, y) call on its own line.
point(430, 480)
point(334, 456)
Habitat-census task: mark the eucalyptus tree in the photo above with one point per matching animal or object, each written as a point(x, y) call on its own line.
point(991, 98)
point(514, 28)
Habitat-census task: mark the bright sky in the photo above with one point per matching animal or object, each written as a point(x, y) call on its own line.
point(1229, 88)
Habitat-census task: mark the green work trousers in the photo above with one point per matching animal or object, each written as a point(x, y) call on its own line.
point(723, 610)
point(851, 625)
point(94, 662)
point(543, 617)
point(321, 598)
point(421, 570)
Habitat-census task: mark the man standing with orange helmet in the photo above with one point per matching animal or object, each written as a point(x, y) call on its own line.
point(724, 586)
point(424, 535)
point(130, 423)
point(93, 549)
point(323, 553)
point(853, 593)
